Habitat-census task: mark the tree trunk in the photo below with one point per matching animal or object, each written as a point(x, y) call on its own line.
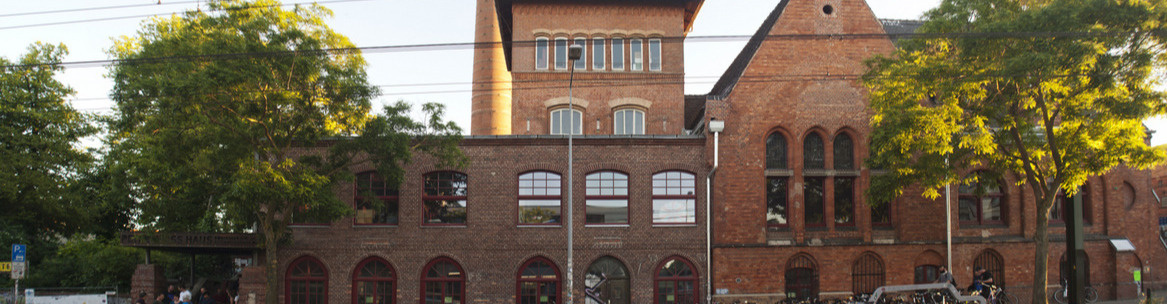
point(271, 260)
point(1041, 250)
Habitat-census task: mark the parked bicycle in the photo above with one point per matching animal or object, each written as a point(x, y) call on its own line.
point(1090, 294)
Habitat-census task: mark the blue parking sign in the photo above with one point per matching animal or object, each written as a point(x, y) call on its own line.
point(18, 253)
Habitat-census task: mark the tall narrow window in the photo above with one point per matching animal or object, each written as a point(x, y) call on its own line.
point(866, 274)
point(609, 276)
point(539, 198)
point(802, 278)
point(676, 282)
point(844, 201)
point(599, 50)
point(636, 54)
point(373, 282)
point(776, 207)
point(376, 200)
point(443, 282)
point(673, 198)
point(814, 194)
point(813, 152)
point(844, 152)
point(538, 282)
point(628, 122)
point(654, 54)
point(607, 198)
point(561, 53)
point(881, 214)
point(307, 282)
point(981, 201)
point(776, 151)
point(445, 198)
point(565, 120)
point(617, 54)
point(1057, 214)
point(581, 64)
point(541, 53)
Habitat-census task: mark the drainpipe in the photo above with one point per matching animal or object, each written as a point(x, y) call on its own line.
point(715, 126)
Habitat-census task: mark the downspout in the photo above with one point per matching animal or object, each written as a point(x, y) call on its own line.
point(715, 127)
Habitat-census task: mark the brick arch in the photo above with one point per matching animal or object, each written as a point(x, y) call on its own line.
point(786, 137)
point(867, 273)
point(294, 277)
point(824, 139)
point(802, 276)
point(929, 257)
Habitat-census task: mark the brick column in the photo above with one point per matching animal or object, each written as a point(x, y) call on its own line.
point(252, 285)
point(149, 279)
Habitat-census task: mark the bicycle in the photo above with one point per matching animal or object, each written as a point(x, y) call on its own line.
point(1090, 294)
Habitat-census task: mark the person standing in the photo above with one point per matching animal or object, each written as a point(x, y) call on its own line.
point(945, 276)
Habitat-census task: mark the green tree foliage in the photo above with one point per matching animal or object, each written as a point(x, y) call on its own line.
point(219, 112)
point(1061, 101)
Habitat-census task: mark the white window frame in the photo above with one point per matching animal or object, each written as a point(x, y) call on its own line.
point(618, 50)
point(553, 120)
point(599, 45)
point(581, 64)
point(619, 119)
point(542, 44)
point(561, 53)
point(636, 54)
point(654, 57)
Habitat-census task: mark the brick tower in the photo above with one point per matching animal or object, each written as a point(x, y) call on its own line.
point(491, 99)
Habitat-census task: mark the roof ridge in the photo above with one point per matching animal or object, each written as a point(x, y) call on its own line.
point(734, 73)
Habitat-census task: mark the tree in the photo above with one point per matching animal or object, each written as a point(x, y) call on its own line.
point(221, 113)
point(1049, 92)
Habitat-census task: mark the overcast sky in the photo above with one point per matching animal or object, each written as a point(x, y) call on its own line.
point(416, 76)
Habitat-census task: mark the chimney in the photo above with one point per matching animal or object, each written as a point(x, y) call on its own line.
point(491, 99)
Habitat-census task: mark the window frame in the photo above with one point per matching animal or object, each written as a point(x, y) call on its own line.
point(802, 261)
point(599, 45)
point(931, 273)
point(849, 153)
point(289, 279)
point(655, 57)
point(785, 200)
point(618, 48)
point(867, 269)
point(425, 279)
point(519, 280)
point(626, 197)
point(987, 258)
point(542, 44)
point(770, 149)
point(580, 64)
point(1001, 195)
point(822, 208)
point(692, 197)
point(694, 280)
point(1057, 211)
point(625, 110)
point(821, 159)
point(519, 197)
point(835, 201)
point(425, 197)
point(627, 278)
point(890, 215)
point(357, 198)
point(636, 45)
point(357, 279)
point(552, 119)
point(561, 53)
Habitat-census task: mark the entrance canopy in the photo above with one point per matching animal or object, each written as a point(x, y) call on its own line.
point(192, 242)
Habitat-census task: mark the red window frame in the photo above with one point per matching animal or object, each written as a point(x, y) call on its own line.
point(890, 216)
point(539, 282)
point(1057, 212)
point(802, 277)
point(599, 194)
point(291, 281)
point(821, 183)
point(835, 202)
point(442, 194)
point(785, 199)
point(391, 280)
point(673, 280)
point(376, 182)
point(539, 193)
point(444, 281)
point(979, 201)
point(665, 187)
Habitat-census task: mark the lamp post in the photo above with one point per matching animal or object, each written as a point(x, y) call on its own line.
point(573, 54)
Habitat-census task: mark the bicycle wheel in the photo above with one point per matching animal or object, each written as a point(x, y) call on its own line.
point(1060, 296)
point(1091, 295)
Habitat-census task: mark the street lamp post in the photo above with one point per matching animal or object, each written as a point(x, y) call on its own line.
point(573, 54)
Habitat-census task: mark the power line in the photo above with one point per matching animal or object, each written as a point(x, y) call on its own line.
point(158, 14)
point(96, 8)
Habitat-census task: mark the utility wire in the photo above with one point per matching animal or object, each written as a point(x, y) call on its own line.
point(159, 14)
point(96, 8)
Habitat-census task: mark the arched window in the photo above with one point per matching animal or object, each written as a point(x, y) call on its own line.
point(674, 198)
point(373, 282)
point(606, 199)
point(928, 267)
point(802, 277)
point(445, 198)
point(776, 151)
point(1064, 267)
point(866, 274)
point(607, 279)
point(443, 282)
point(563, 120)
point(991, 261)
point(307, 282)
point(540, 198)
point(844, 152)
point(981, 201)
point(1058, 214)
point(376, 200)
point(628, 122)
point(813, 152)
point(676, 282)
point(538, 282)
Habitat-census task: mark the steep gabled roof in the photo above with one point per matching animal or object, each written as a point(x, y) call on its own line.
point(728, 80)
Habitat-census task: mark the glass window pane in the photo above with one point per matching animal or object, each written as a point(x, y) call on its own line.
point(776, 194)
point(598, 51)
point(844, 152)
point(813, 152)
point(618, 118)
point(844, 201)
point(654, 54)
point(635, 54)
point(674, 211)
point(582, 62)
point(617, 54)
point(560, 53)
point(539, 211)
point(776, 151)
point(813, 191)
point(541, 53)
point(639, 123)
point(601, 211)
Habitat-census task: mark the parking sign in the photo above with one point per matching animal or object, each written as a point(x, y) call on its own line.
point(18, 253)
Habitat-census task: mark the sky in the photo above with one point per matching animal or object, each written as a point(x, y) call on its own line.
point(416, 76)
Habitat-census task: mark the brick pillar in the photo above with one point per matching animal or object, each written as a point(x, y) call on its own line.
point(252, 285)
point(149, 279)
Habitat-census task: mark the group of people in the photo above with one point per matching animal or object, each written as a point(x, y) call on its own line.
point(181, 295)
point(982, 279)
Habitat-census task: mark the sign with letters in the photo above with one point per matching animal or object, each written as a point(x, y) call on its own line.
point(18, 253)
